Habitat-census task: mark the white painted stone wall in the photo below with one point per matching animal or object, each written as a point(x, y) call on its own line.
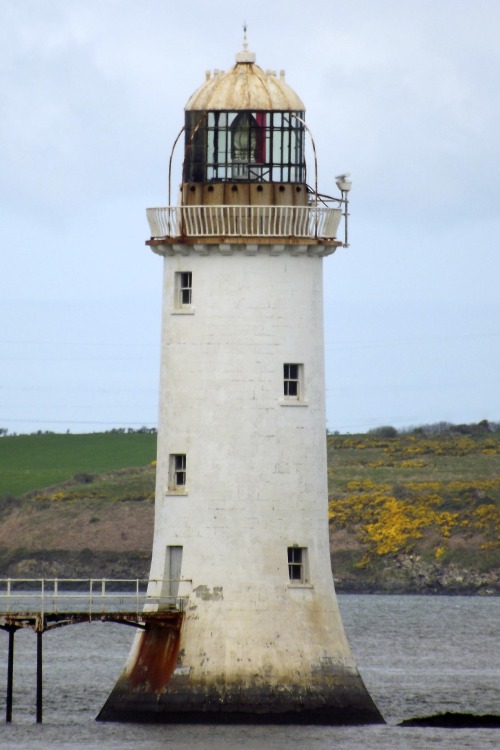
point(256, 464)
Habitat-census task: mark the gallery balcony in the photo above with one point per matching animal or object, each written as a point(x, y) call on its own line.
point(238, 223)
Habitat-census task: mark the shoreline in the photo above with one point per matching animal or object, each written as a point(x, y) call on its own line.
point(132, 564)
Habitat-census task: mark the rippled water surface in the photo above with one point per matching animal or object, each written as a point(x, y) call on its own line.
point(417, 655)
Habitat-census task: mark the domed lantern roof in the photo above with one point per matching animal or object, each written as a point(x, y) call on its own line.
point(245, 86)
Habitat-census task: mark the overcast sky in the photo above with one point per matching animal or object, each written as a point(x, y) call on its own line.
point(404, 94)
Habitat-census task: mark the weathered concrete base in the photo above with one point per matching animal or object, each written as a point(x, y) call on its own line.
point(152, 690)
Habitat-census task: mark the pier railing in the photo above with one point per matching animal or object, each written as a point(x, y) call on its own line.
point(304, 222)
point(90, 596)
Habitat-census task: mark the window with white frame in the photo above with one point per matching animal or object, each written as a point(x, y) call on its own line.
point(183, 289)
point(292, 381)
point(177, 472)
point(297, 564)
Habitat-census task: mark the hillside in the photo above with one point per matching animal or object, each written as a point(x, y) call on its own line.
point(415, 512)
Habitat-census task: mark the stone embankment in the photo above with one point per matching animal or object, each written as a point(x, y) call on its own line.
point(410, 574)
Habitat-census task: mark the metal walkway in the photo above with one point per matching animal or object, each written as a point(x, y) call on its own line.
point(42, 604)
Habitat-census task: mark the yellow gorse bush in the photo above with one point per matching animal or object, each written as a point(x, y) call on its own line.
point(387, 524)
point(57, 496)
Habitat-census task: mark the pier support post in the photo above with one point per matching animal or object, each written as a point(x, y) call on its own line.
point(10, 676)
point(39, 676)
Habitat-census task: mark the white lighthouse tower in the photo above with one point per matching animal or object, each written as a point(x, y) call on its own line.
point(241, 558)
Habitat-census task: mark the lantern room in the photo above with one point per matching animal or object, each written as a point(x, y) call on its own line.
point(245, 139)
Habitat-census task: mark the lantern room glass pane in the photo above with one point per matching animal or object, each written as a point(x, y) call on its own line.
point(244, 146)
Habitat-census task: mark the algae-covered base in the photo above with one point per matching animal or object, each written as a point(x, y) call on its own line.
point(346, 703)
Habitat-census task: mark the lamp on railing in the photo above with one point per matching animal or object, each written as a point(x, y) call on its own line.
point(344, 184)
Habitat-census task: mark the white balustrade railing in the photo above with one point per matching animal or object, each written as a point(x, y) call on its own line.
point(90, 596)
point(307, 222)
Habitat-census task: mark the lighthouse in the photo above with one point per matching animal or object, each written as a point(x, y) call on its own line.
point(248, 625)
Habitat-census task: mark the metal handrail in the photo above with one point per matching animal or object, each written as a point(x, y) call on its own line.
point(45, 596)
point(306, 222)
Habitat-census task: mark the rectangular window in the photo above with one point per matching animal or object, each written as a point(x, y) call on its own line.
point(297, 564)
point(183, 289)
point(292, 381)
point(177, 478)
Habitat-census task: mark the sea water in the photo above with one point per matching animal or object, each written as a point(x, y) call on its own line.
point(417, 655)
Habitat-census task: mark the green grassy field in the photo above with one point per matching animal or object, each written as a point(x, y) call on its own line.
point(30, 462)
